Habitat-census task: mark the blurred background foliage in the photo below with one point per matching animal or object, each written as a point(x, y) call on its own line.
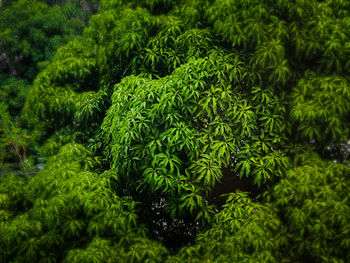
point(30, 33)
point(175, 131)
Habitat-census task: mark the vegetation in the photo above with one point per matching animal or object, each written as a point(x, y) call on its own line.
point(30, 33)
point(185, 131)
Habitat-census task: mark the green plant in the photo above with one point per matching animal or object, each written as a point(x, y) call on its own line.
point(190, 131)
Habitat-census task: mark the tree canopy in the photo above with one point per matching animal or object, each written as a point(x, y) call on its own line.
point(187, 131)
point(31, 31)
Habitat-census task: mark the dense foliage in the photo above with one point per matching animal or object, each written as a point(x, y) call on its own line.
point(30, 33)
point(14, 140)
point(188, 131)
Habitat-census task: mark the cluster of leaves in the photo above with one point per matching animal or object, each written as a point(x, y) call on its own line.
point(243, 231)
point(314, 203)
point(306, 219)
point(68, 213)
point(183, 101)
point(321, 107)
point(175, 135)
